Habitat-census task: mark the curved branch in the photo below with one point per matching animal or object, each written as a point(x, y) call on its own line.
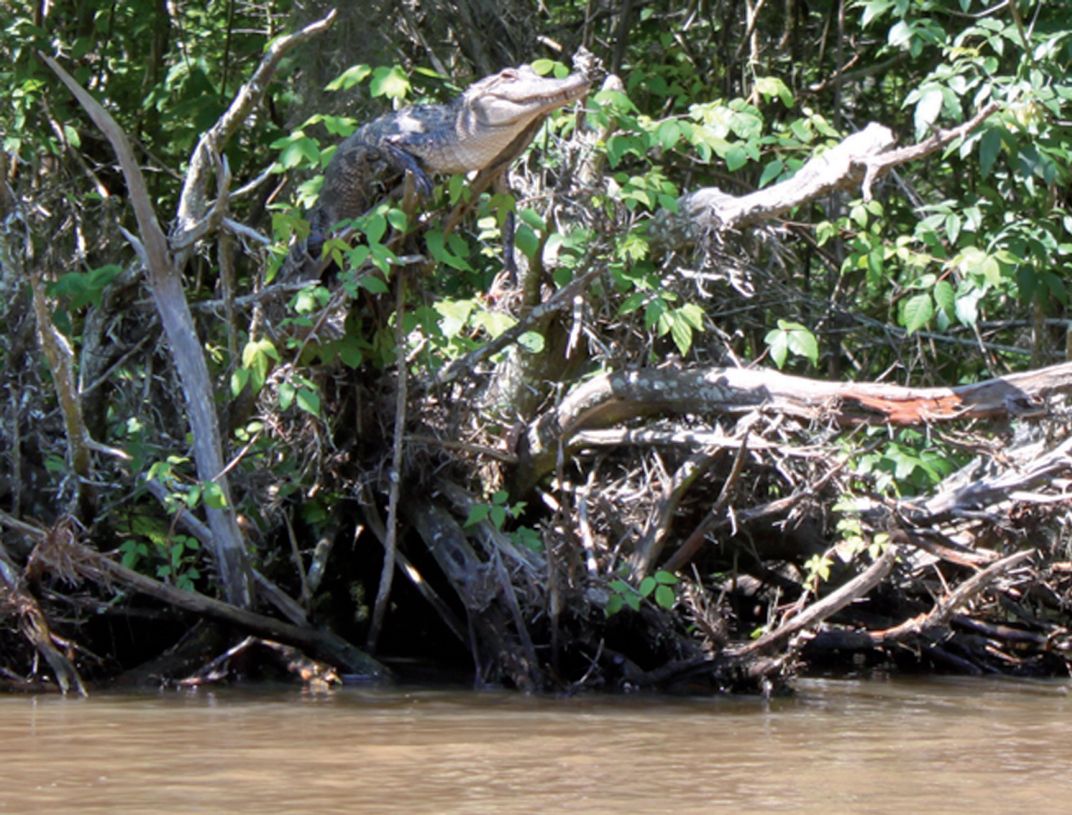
point(193, 201)
point(856, 161)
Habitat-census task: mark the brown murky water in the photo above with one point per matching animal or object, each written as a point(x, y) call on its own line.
point(837, 747)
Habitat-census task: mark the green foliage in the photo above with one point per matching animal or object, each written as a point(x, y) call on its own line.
point(658, 588)
point(854, 541)
point(906, 464)
point(79, 289)
point(981, 250)
point(497, 511)
point(354, 75)
point(153, 548)
point(257, 359)
point(75, 291)
point(817, 570)
point(790, 337)
point(972, 242)
point(391, 82)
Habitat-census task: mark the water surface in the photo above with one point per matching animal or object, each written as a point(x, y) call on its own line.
point(906, 747)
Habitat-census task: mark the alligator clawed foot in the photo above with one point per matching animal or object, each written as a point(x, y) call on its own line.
point(409, 163)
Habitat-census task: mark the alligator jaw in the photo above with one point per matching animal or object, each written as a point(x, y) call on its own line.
point(515, 96)
point(494, 112)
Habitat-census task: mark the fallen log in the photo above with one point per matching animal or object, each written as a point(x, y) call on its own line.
point(69, 559)
point(319, 643)
point(16, 600)
point(615, 398)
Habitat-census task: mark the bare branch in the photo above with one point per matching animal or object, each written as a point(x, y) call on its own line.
point(943, 610)
point(821, 609)
point(166, 284)
point(856, 161)
point(192, 202)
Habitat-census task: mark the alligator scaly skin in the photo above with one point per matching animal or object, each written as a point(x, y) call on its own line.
point(470, 133)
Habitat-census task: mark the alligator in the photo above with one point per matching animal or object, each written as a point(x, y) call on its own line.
point(483, 129)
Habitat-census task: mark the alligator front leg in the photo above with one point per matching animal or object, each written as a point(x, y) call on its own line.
point(409, 163)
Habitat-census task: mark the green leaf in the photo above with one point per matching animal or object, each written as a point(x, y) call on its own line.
point(494, 322)
point(389, 82)
point(350, 352)
point(945, 296)
point(900, 35)
point(778, 343)
point(917, 312)
point(72, 136)
point(454, 316)
point(214, 496)
point(528, 537)
point(803, 343)
point(668, 133)
point(681, 333)
point(989, 150)
point(771, 86)
point(257, 357)
point(533, 219)
point(477, 513)
point(792, 336)
point(286, 395)
point(532, 341)
point(665, 597)
point(353, 75)
point(771, 172)
point(615, 603)
point(299, 150)
point(193, 496)
point(526, 240)
point(309, 401)
point(374, 227)
point(927, 109)
point(543, 66)
point(373, 283)
point(666, 578)
point(239, 380)
point(692, 314)
point(736, 157)
point(438, 248)
point(647, 586)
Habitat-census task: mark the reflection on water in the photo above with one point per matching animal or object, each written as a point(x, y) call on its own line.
point(836, 747)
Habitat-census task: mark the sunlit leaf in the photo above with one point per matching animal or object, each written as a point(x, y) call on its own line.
point(917, 312)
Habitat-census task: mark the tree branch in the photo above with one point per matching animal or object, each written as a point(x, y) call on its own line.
point(165, 282)
point(193, 200)
point(856, 161)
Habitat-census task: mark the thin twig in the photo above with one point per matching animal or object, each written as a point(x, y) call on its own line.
point(391, 541)
point(558, 301)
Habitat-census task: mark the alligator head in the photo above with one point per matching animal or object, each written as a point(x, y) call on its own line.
point(499, 108)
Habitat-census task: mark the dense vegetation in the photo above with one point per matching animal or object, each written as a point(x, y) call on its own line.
point(595, 474)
